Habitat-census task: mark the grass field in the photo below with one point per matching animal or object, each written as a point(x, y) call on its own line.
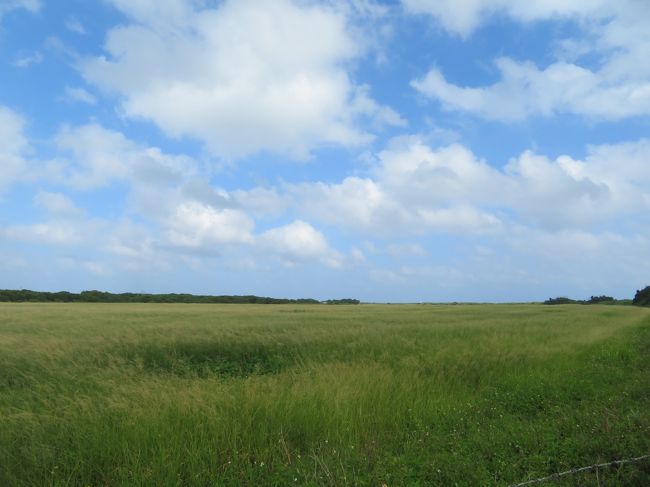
point(162, 395)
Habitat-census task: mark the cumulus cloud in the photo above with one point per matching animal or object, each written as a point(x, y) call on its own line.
point(550, 195)
point(526, 90)
point(165, 189)
point(101, 157)
point(242, 77)
point(80, 95)
point(587, 260)
point(411, 189)
point(73, 25)
point(462, 17)
point(610, 182)
point(98, 269)
point(8, 5)
point(406, 250)
point(299, 242)
point(180, 209)
point(200, 226)
point(415, 189)
point(56, 204)
point(54, 232)
point(29, 60)
point(262, 201)
point(617, 33)
point(13, 147)
point(111, 243)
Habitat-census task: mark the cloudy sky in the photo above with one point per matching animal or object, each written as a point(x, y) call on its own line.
point(413, 150)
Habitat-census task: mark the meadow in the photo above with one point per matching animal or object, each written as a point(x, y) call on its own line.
point(202, 395)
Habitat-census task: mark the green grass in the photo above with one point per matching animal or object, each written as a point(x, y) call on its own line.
point(200, 395)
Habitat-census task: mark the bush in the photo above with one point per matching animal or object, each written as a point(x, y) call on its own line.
point(561, 300)
point(599, 299)
point(642, 297)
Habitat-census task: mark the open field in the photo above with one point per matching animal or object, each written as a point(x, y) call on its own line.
point(130, 394)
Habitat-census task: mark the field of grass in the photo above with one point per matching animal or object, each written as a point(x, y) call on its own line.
point(201, 395)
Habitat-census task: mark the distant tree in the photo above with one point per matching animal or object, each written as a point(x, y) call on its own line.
point(599, 299)
point(560, 300)
point(642, 297)
point(342, 301)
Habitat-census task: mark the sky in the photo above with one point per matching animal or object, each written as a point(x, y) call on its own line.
point(389, 151)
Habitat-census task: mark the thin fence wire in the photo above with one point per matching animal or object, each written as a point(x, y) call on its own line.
point(582, 469)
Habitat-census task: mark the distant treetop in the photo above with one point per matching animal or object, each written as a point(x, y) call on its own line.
point(591, 300)
point(25, 295)
point(642, 297)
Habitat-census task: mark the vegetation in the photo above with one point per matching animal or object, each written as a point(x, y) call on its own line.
point(642, 297)
point(24, 295)
point(560, 300)
point(141, 394)
point(591, 300)
point(600, 299)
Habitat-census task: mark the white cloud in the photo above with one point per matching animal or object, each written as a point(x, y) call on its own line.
point(355, 202)
point(406, 250)
point(549, 195)
point(8, 5)
point(447, 175)
point(615, 33)
point(525, 90)
point(591, 261)
point(13, 147)
point(134, 245)
point(119, 241)
point(299, 242)
point(199, 226)
point(202, 219)
point(98, 269)
point(29, 60)
point(57, 204)
point(80, 95)
point(443, 276)
point(611, 182)
point(73, 25)
point(99, 155)
point(102, 156)
point(245, 77)
point(462, 17)
point(262, 201)
point(54, 232)
point(415, 189)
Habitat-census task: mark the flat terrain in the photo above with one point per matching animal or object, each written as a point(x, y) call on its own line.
point(162, 395)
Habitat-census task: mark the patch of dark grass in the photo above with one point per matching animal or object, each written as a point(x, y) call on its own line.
point(207, 359)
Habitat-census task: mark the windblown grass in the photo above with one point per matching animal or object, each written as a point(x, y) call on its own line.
point(321, 395)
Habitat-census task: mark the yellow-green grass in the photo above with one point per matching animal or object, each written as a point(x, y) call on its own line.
point(130, 394)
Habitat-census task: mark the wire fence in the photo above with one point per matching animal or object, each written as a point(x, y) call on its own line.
point(573, 471)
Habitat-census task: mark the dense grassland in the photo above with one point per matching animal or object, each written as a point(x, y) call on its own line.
point(142, 394)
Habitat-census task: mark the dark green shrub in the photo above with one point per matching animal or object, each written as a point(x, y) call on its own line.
point(599, 299)
point(642, 297)
point(560, 300)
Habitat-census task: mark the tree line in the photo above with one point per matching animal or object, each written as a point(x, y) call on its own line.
point(641, 298)
point(25, 295)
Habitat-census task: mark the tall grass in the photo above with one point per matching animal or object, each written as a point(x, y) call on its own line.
point(320, 395)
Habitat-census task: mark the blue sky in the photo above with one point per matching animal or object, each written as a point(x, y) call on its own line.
point(413, 150)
